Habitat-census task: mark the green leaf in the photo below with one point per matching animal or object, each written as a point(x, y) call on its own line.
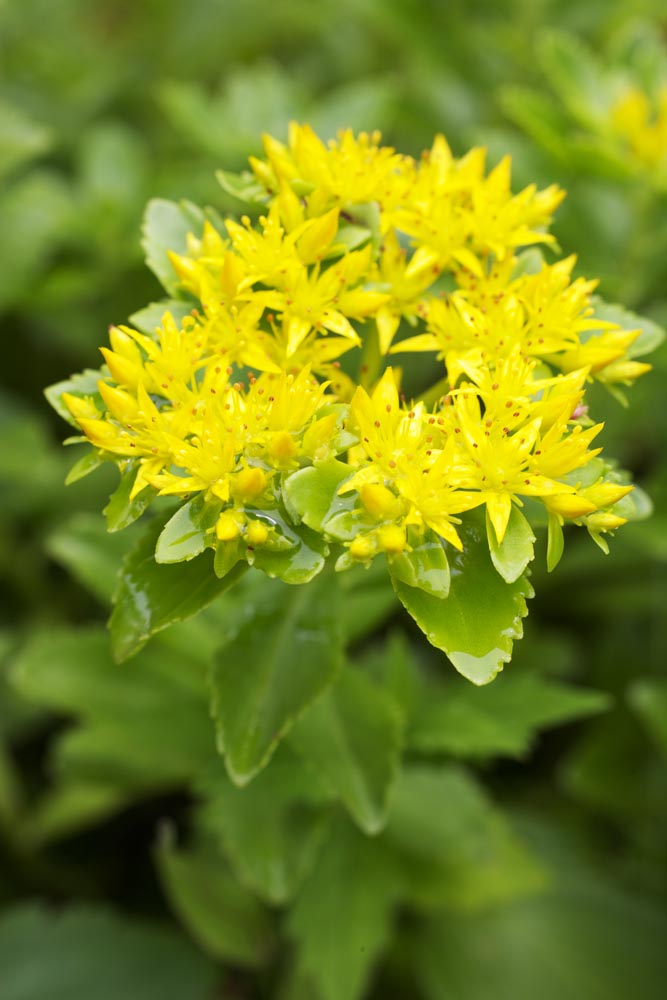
point(166, 226)
point(92, 460)
point(517, 549)
point(341, 919)
point(575, 75)
point(351, 736)
point(222, 917)
point(648, 698)
point(311, 494)
point(122, 511)
point(503, 718)
point(83, 384)
point(296, 564)
point(271, 670)
point(425, 566)
point(23, 139)
point(148, 319)
point(555, 542)
point(587, 940)
point(477, 624)
point(87, 952)
point(188, 532)
point(272, 829)
point(92, 555)
point(651, 337)
point(457, 850)
point(539, 116)
point(367, 600)
point(149, 597)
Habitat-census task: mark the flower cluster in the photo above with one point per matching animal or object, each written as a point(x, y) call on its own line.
point(271, 410)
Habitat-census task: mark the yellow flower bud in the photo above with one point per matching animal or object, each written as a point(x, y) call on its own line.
point(249, 483)
point(378, 500)
point(391, 538)
point(604, 521)
point(362, 548)
point(81, 407)
point(281, 447)
point(256, 533)
point(606, 494)
point(569, 505)
point(228, 526)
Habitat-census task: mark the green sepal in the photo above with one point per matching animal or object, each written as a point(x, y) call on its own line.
point(92, 460)
point(311, 494)
point(555, 542)
point(188, 532)
point(227, 555)
point(278, 661)
point(120, 510)
point(477, 624)
point(425, 566)
point(517, 549)
point(150, 596)
point(243, 186)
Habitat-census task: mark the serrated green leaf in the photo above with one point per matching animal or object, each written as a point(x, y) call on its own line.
point(275, 665)
point(477, 624)
point(223, 918)
point(341, 920)
point(272, 829)
point(501, 719)
point(424, 566)
point(87, 952)
point(121, 510)
point(149, 596)
point(311, 494)
point(351, 736)
point(188, 532)
point(457, 849)
point(517, 549)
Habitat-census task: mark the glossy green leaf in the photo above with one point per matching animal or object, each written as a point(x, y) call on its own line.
point(302, 556)
point(311, 494)
point(501, 719)
point(272, 829)
point(351, 736)
point(457, 849)
point(149, 597)
point(244, 186)
point(92, 460)
point(424, 566)
point(223, 918)
point(188, 532)
point(517, 549)
point(341, 920)
point(87, 952)
point(271, 670)
point(368, 600)
point(121, 510)
point(477, 624)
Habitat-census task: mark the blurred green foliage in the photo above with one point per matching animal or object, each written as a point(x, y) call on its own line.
point(506, 852)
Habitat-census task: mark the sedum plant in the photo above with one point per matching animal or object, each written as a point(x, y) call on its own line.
point(375, 366)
